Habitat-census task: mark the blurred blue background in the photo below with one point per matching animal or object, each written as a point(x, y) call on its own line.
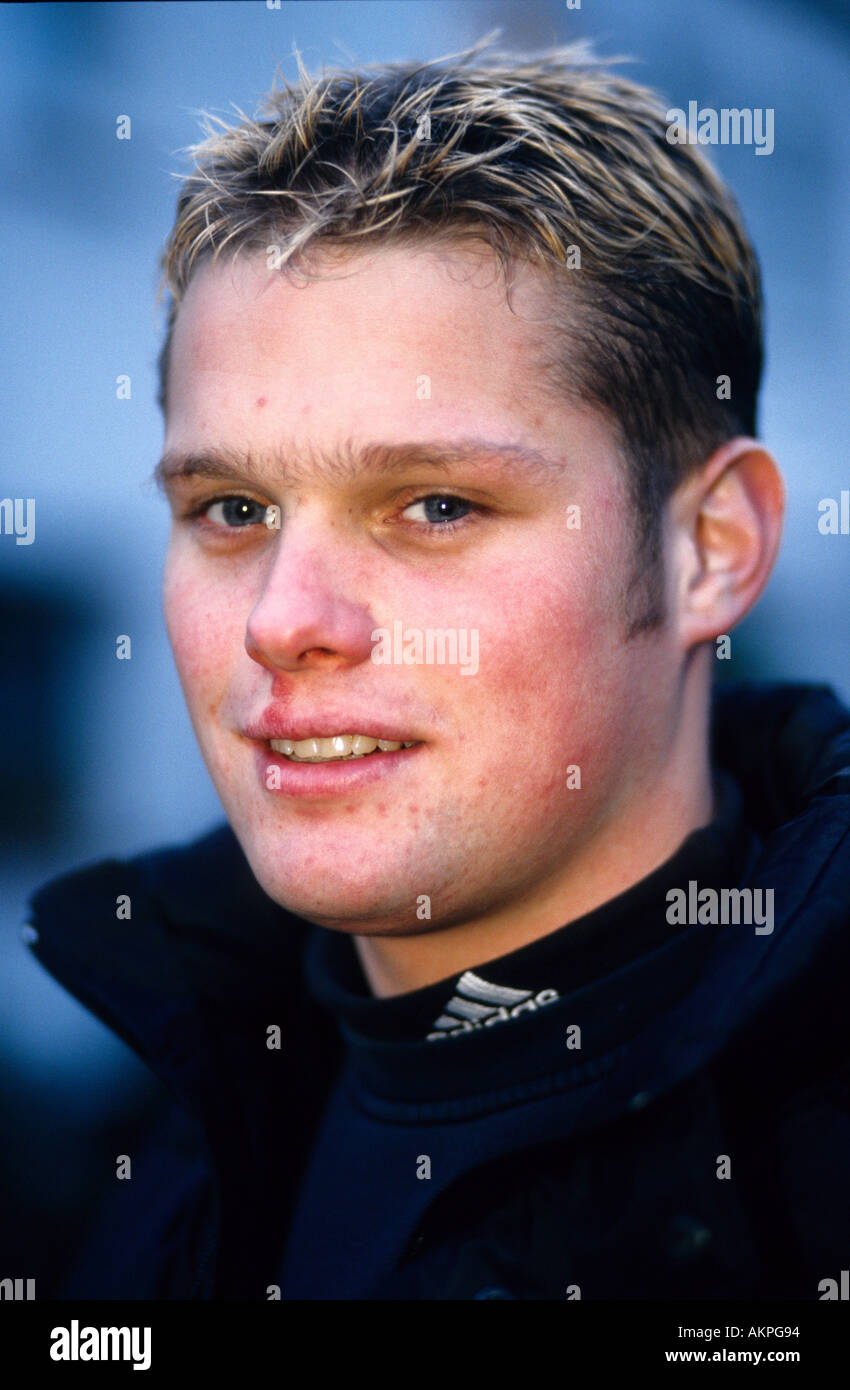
point(98, 756)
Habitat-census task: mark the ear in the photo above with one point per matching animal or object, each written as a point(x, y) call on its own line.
point(727, 523)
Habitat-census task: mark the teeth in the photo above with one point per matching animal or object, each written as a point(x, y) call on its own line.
point(339, 746)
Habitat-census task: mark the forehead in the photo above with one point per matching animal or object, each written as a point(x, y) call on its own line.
point(406, 328)
point(398, 348)
point(409, 290)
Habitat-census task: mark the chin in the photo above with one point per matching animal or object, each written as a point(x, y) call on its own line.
point(344, 905)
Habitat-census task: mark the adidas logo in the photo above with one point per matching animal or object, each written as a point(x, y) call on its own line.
point(478, 1004)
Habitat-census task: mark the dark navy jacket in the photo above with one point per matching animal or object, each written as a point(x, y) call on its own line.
point(597, 1175)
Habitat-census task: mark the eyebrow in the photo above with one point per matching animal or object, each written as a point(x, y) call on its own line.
point(347, 464)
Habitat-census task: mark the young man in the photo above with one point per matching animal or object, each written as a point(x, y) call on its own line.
point(508, 978)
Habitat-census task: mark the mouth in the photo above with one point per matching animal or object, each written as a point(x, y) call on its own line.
point(336, 748)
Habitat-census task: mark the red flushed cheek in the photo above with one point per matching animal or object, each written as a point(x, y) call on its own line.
point(543, 671)
point(541, 641)
point(199, 640)
point(206, 622)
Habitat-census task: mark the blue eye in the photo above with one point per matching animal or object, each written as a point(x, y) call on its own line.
point(236, 511)
point(440, 508)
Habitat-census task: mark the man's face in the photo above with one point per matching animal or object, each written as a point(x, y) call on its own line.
point(427, 481)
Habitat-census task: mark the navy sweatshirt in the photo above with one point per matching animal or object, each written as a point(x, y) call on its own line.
point(455, 1142)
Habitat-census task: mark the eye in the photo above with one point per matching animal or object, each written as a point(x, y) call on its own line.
point(234, 512)
point(438, 509)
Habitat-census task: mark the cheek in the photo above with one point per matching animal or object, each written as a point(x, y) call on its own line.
point(546, 637)
point(553, 671)
point(204, 632)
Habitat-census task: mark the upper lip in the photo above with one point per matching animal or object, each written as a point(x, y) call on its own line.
point(278, 724)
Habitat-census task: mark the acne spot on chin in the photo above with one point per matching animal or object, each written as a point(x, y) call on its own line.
point(261, 401)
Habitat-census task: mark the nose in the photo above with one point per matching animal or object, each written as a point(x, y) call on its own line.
point(307, 616)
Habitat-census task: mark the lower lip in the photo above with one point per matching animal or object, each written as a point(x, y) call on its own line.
point(331, 778)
